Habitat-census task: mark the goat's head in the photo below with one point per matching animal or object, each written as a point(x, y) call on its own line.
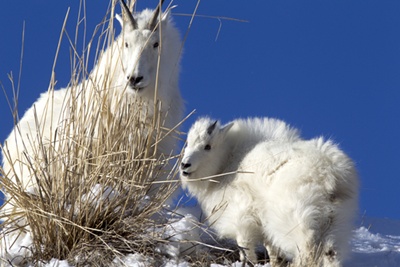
point(141, 44)
point(205, 149)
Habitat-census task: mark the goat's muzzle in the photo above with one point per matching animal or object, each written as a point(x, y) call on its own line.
point(185, 166)
point(136, 83)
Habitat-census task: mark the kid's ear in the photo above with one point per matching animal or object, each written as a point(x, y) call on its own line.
point(226, 128)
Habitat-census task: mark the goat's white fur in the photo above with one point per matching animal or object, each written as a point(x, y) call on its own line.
point(152, 55)
point(296, 197)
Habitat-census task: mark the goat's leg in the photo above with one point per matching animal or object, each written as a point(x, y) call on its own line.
point(276, 259)
point(247, 248)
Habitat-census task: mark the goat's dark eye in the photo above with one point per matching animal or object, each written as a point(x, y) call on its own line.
point(207, 147)
point(126, 45)
point(156, 44)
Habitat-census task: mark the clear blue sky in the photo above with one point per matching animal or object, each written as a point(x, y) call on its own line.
point(329, 68)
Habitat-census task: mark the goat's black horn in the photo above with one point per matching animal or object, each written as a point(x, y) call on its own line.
point(128, 14)
point(154, 20)
point(211, 128)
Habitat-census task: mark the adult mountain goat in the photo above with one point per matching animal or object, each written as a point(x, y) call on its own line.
point(141, 67)
point(296, 197)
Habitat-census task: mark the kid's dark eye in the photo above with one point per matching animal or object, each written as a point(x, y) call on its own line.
point(126, 45)
point(207, 147)
point(156, 44)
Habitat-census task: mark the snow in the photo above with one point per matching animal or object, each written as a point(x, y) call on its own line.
point(56, 263)
point(373, 249)
point(365, 241)
point(18, 251)
point(369, 247)
point(133, 260)
point(181, 234)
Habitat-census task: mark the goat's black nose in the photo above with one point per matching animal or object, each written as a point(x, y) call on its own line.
point(185, 165)
point(134, 80)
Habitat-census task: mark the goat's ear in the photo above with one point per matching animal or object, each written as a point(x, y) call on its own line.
point(226, 128)
point(167, 13)
point(120, 20)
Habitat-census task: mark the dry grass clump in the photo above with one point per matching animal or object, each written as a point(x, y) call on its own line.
point(95, 193)
point(90, 187)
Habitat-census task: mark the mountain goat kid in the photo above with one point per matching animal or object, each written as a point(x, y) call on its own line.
point(296, 197)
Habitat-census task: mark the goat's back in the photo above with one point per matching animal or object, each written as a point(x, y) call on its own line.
point(303, 190)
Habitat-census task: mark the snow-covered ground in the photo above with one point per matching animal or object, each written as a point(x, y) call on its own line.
point(375, 243)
